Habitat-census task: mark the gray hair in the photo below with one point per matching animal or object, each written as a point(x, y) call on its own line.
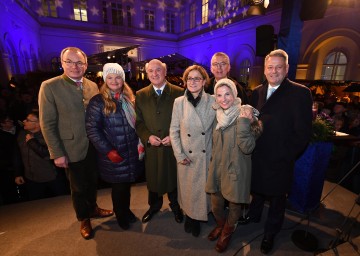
point(278, 53)
point(73, 49)
point(155, 61)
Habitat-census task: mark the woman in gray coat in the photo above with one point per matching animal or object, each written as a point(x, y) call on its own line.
point(190, 133)
point(236, 129)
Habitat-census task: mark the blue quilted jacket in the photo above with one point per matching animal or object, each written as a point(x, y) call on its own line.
point(113, 132)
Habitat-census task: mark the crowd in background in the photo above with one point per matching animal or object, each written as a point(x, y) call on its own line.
point(17, 103)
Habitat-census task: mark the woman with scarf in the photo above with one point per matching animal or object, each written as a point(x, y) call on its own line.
point(190, 133)
point(110, 122)
point(235, 131)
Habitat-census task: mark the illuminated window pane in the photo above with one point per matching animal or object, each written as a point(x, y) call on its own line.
point(80, 12)
point(334, 66)
point(49, 8)
point(205, 11)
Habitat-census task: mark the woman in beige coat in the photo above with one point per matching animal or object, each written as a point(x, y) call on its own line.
point(236, 129)
point(190, 133)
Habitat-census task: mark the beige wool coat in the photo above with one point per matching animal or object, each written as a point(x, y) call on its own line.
point(230, 166)
point(190, 133)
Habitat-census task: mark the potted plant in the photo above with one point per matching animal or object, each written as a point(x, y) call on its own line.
point(323, 128)
point(310, 168)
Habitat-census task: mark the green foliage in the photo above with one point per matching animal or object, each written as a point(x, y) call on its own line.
point(323, 128)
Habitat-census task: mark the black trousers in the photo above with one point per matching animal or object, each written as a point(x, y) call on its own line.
point(120, 195)
point(39, 190)
point(155, 201)
point(276, 212)
point(83, 177)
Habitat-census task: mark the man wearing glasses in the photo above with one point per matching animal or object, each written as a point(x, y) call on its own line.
point(62, 104)
point(39, 175)
point(220, 68)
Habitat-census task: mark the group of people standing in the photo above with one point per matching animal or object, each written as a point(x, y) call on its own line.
point(201, 150)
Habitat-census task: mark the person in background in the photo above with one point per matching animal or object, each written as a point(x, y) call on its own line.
point(286, 113)
point(40, 176)
point(62, 104)
point(220, 68)
point(10, 161)
point(339, 110)
point(190, 134)
point(110, 126)
point(235, 131)
point(153, 106)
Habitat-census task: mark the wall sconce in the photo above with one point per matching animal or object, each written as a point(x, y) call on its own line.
point(257, 7)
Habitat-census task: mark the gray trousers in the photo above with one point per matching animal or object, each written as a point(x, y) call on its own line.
point(217, 202)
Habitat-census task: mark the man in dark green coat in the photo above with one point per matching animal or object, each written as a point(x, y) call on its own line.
point(153, 106)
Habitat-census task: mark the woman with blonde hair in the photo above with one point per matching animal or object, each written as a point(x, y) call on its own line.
point(235, 131)
point(110, 126)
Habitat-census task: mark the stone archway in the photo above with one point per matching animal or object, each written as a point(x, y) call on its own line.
point(345, 40)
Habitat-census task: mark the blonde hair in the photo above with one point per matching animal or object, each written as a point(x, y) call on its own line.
point(110, 106)
point(277, 53)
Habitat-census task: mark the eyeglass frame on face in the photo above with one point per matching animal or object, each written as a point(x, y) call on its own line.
point(70, 63)
point(194, 79)
point(219, 65)
point(32, 121)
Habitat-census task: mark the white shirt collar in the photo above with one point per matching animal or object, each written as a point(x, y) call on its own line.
point(161, 88)
point(275, 87)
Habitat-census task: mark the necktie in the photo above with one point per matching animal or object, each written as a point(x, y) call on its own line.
point(270, 92)
point(79, 84)
point(158, 91)
point(117, 96)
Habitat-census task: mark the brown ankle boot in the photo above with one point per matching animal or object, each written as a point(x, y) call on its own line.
point(215, 233)
point(224, 238)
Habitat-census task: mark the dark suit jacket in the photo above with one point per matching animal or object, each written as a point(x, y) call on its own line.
point(287, 120)
point(153, 117)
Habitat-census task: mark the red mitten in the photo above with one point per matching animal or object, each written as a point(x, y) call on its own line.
point(114, 156)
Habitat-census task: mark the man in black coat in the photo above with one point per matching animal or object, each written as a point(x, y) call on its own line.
point(220, 68)
point(286, 112)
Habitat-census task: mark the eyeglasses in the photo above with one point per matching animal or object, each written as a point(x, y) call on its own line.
point(219, 65)
point(194, 79)
point(69, 63)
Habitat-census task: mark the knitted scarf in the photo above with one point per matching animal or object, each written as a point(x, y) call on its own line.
point(130, 115)
point(226, 117)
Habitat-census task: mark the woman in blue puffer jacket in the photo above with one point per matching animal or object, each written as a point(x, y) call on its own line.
point(110, 120)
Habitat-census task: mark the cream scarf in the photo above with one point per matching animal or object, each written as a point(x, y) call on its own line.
point(226, 117)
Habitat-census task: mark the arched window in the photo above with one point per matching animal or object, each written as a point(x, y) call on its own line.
point(244, 71)
point(334, 66)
